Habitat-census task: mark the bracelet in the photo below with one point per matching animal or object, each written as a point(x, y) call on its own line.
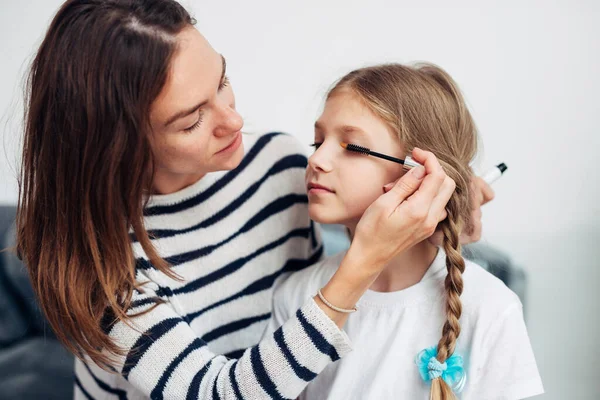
point(328, 304)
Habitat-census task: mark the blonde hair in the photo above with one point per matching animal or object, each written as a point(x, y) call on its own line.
point(424, 106)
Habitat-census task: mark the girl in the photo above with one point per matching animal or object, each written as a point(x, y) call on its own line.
point(153, 230)
point(484, 348)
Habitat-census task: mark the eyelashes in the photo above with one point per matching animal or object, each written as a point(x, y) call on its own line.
point(196, 125)
point(192, 128)
point(316, 145)
point(224, 83)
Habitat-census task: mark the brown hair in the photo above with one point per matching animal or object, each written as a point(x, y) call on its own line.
point(424, 106)
point(87, 164)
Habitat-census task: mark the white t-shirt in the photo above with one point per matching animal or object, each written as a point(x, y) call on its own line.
point(390, 329)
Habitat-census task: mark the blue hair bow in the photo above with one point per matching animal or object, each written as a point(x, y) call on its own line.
point(451, 371)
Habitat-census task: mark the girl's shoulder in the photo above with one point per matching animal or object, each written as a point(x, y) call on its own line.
point(295, 288)
point(484, 293)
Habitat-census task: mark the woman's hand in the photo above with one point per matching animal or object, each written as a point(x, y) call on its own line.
point(406, 215)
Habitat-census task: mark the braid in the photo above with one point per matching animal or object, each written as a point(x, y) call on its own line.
point(454, 287)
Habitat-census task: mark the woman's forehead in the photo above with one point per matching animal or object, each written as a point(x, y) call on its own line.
point(194, 74)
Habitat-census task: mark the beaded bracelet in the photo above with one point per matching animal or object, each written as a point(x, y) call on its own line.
point(328, 304)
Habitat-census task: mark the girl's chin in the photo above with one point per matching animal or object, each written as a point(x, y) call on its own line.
point(322, 216)
point(325, 211)
point(325, 220)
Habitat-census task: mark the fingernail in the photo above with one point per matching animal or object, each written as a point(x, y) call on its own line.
point(418, 172)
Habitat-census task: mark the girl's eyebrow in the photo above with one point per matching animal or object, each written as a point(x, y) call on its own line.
point(348, 129)
point(351, 129)
point(349, 132)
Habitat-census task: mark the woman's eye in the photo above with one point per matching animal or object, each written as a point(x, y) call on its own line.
point(316, 145)
point(193, 127)
point(196, 125)
point(224, 83)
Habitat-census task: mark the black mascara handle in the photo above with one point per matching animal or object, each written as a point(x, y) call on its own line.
point(386, 157)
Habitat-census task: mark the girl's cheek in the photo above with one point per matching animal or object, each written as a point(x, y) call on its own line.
point(362, 195)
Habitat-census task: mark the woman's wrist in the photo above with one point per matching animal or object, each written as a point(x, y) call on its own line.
point(360, 268)
point(351, 280)
point(369, 255)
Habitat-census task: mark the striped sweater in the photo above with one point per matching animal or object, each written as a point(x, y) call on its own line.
point(229, 236)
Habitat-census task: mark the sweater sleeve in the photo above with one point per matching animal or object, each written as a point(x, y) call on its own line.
point(166, 359)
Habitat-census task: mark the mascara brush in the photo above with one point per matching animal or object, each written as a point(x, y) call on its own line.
point(490, 177)
point(408, 162)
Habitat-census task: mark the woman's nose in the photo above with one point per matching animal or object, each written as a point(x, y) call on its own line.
point(229, 120)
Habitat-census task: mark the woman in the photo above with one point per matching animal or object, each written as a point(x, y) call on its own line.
point(153, 230)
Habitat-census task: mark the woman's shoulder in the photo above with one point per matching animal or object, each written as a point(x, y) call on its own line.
point(278, 155)
point(277, 144)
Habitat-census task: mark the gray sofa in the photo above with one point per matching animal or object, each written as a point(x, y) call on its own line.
point(34, 365)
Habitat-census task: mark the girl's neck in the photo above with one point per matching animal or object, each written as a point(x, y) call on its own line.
point(405, 270)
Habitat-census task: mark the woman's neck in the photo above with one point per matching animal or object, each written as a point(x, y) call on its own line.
point(165, 182)
point(405, 270)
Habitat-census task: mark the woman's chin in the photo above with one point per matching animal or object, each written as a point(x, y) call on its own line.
point(235, 160)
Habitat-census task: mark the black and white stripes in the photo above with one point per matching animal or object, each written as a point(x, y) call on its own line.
point(229, 236)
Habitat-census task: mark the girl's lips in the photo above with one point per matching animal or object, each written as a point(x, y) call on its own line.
point(319, 191)
point(315, 188)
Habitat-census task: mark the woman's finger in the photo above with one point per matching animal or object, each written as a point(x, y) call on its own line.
point(433, 180)
point(438, 206)
point(389, 186)
point(437, 210)
point(485, 189)
point(403, 188)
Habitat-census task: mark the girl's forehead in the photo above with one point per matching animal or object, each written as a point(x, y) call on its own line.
point(346, 115)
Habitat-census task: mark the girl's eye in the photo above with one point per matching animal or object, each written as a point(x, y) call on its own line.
point(195, 126)
point(316, 145)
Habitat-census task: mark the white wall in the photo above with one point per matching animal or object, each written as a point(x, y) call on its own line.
point(529, 72)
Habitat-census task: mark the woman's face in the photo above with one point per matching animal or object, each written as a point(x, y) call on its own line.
point(196, 128)
point(351, 181)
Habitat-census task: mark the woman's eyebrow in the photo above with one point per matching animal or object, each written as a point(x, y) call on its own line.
point(224, 70)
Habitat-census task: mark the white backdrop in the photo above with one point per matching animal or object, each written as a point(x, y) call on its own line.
point(529, 71)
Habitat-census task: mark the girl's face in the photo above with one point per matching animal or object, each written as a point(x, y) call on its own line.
point(342, 184)
point(196, 128)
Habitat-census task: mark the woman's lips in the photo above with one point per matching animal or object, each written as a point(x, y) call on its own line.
point(233, 145)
